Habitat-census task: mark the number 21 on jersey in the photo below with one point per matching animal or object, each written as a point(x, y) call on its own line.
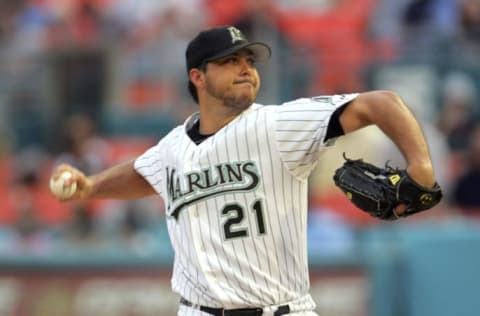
point(234, 214)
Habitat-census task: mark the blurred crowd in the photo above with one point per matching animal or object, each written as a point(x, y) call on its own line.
point(94, 82)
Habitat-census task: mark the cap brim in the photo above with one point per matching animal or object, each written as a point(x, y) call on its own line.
point(261, 51)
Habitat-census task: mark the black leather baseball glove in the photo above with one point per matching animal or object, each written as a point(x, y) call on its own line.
point(378, 191)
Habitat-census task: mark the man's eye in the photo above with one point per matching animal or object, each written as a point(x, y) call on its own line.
point(235, 60)
point(229, 60)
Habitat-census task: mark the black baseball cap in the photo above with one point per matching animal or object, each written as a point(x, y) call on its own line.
point(219, 42)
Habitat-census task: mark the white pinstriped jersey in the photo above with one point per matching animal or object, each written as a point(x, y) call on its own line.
point(236, 203)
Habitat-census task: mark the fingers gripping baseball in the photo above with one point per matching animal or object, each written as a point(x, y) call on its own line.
point(68, 183)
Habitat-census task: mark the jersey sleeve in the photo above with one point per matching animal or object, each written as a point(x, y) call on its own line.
point(150, 165)
point(300, 129)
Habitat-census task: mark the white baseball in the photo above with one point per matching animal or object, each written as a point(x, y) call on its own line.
point(60, 188)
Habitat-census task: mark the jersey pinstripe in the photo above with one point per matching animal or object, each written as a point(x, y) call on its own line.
point(236, 204)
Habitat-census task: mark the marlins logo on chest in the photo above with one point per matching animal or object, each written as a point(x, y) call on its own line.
point(188, 188)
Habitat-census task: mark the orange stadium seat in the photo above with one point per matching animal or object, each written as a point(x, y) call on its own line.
point(337, 40)
point(221, 12)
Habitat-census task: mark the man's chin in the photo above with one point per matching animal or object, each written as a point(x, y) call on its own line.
point(242, 102)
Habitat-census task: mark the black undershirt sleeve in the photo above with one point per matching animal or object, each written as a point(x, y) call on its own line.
point(334, 128)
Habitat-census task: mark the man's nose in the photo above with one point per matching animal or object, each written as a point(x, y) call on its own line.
point(245, 66)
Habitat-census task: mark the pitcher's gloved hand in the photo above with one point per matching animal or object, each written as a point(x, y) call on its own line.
point(378, 191)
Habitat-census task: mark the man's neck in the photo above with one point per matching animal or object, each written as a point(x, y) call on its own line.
point(213, 119)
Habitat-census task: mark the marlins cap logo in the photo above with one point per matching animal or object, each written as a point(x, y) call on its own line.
point(236, 35)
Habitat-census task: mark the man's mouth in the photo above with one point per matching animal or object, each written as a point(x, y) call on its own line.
point(244, 82)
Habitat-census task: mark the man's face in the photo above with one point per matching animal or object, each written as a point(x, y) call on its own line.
point(233, 79)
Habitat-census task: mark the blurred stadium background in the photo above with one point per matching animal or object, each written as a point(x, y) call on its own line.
point(94, 82)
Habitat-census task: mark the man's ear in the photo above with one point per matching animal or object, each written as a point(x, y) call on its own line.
point(197, 77)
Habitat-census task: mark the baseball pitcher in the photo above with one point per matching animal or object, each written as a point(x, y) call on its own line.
point(234, 180)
